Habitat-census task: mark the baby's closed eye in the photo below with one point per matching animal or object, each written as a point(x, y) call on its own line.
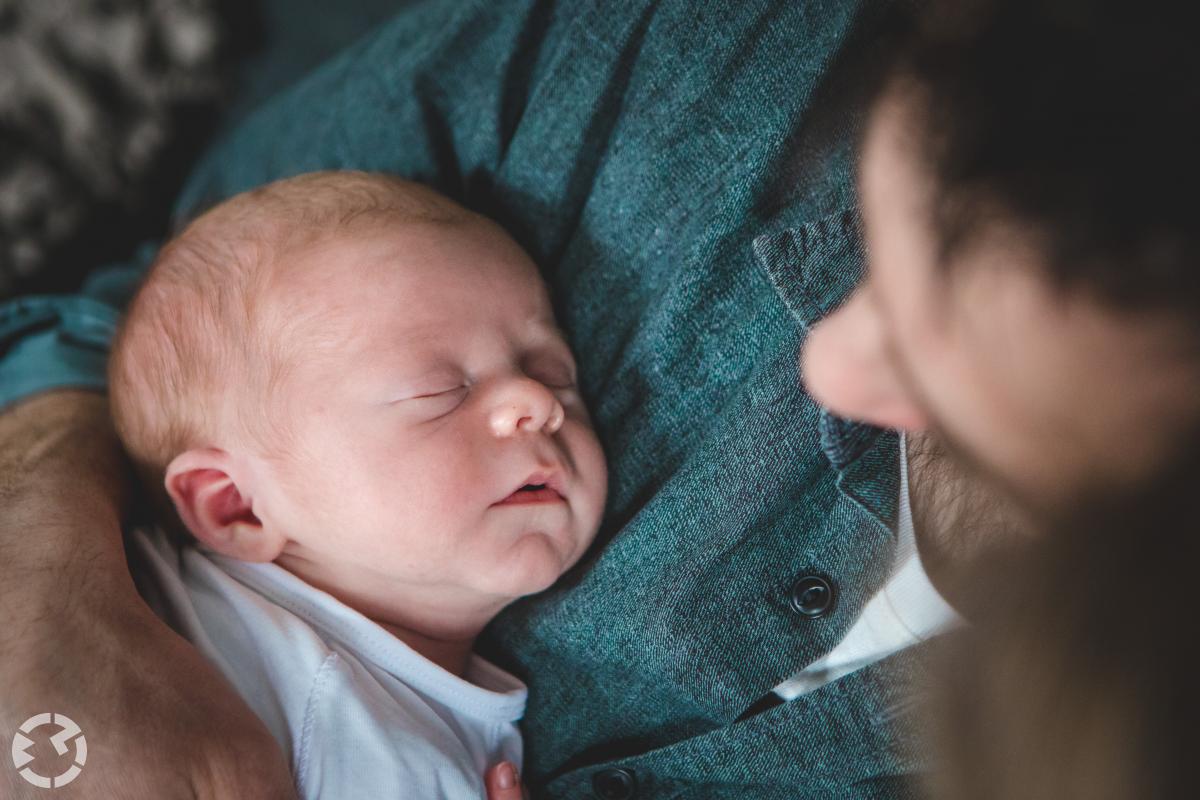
point(552, 373)
point(432, 402)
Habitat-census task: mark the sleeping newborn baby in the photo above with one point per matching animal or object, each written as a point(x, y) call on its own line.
point(350, 400)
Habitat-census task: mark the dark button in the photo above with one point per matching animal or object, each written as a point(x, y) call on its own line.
point(812, 596)
point(614, 784)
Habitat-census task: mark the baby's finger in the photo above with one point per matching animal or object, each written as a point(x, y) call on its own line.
point(504, 783)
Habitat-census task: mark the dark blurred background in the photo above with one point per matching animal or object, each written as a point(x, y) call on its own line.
point(106, 104)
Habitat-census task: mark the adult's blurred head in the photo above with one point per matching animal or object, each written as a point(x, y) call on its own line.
point(1028, 184)
point(1077, 679)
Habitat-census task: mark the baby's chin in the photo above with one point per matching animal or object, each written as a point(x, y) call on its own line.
point(532, 564)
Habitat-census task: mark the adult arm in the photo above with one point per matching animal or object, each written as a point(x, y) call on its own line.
point(77, 639)
point(160, 722)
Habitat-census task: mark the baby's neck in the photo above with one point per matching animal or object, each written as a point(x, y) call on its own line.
point(441, 627)
point(451, 654)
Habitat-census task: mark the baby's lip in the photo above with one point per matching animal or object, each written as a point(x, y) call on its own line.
point(554, 489)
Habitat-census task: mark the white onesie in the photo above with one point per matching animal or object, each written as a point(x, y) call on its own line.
point(359, 714)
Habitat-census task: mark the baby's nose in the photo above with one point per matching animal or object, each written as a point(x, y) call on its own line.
point(527, 406)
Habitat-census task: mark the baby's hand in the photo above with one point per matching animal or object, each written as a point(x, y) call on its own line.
point(503, 783)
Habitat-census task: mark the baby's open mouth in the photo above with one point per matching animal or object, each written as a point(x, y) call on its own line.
point(532, 493)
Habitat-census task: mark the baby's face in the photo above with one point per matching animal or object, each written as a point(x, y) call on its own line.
point(438, 439)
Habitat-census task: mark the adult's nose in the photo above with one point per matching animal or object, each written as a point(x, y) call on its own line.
point(523, 405)
point(847, 369)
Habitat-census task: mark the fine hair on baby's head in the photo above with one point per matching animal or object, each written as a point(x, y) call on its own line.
point(206, 340)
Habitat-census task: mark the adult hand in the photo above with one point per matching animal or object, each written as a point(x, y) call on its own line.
point(77, 640)
point(504, 783)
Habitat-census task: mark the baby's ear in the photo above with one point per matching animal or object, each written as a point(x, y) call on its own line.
point(215, 509)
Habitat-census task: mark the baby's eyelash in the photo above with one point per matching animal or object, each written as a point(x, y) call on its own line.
point(437, 394)
point(437, 405)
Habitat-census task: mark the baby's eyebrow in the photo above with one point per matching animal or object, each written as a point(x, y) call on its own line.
point(418, 368)
point(546, 330)
point(405, 341)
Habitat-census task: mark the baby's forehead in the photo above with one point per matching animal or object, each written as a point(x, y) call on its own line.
point(410, 280)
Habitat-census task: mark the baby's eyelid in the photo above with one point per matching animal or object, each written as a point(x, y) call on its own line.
point(559, 382)
point(424, 395)
point(555, 373)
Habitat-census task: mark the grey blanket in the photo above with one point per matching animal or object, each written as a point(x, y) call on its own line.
point(89, 97)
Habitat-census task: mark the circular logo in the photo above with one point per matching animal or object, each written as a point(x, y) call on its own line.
point(68, 737)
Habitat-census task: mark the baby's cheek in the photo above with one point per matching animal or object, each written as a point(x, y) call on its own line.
point(431, 484)
point(590, 465)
